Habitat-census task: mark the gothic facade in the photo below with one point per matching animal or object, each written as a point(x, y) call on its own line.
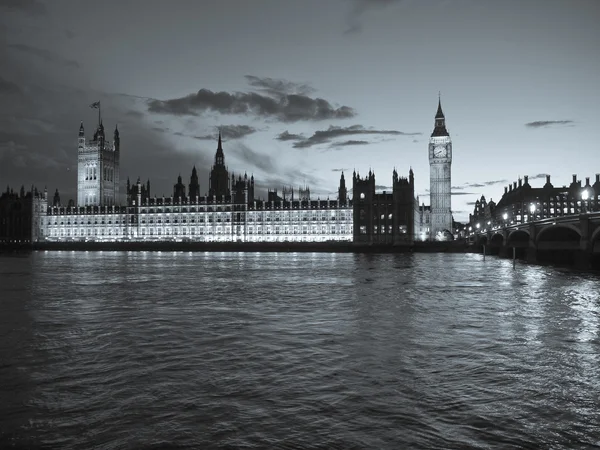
point(387, 217)
point(98, 163)
point(440, 162)
point(228, 213)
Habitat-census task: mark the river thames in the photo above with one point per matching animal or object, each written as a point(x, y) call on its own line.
point(120, 350)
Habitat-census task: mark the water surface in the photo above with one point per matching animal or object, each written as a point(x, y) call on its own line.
point(118, 350)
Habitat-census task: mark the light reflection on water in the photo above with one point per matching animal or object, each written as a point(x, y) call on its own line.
point(254, 350)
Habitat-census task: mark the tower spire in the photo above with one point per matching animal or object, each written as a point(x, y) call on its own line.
point(439, 114)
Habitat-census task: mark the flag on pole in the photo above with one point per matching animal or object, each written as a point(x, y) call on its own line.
point(95, 105)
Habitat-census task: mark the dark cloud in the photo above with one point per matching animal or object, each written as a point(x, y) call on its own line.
point(251, 160)
point(536, 177)
point(286, 136)
point(471, 203)
point(325, 136)
point(10, 88)
point(278, 87)
point(379, 187)
point(287, 108)
point(340, 170)
point(354, 25)
point(464, 193)
point(229, 132)
point(45, 55)
point(547, 123)
point(33, 7)
point(348, 143)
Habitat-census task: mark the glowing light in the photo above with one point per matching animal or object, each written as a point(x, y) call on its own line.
point(505, 216)
point(532, 208)
point(585, 194)
point(477, 226)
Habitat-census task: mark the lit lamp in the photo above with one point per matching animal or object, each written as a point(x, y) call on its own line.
point(585, 195)
point(477, 226)
point(505, 217)
point(532, 210)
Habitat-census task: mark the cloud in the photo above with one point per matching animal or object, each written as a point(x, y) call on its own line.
point(285, 108)
point(45, 55)
point(33, 7)
point(10, 88)
point(134, 114)
point(354, 25)
point(251, 159)
point(286, 136)
point(325, 136)
point(538, 176)
point(464, 193)
point(279, 87)
point(348, 143)
point(471, 203)
point(547, 123)
point(379, 187)
point(479, 184)
point(340, 170)
point(229, 132)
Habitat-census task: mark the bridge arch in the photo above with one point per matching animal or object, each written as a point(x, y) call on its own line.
point(497, 239)
point(595, 235)
point(561, 232)
point(517, 237)
point(482, 239)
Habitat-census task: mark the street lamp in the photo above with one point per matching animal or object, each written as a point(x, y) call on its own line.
point(532, 211)
point(477, 225)
point(585, 195)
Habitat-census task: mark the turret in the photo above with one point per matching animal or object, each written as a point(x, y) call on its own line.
point(342, 191)
point(81, 139)
point(116, 140)
point(56, 199)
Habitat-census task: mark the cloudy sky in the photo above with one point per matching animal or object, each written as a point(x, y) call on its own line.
point(302, 89)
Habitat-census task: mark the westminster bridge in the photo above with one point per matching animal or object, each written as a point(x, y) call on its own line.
point(570, 239)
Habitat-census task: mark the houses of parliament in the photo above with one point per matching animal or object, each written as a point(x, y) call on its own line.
point(230, 211)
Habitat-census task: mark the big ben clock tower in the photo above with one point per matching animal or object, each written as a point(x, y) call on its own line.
point(440, 160)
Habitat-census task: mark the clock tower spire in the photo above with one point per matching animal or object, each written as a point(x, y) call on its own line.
point(440, 162)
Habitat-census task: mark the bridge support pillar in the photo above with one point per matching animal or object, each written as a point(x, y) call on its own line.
point(504, 252)
point(583, 260)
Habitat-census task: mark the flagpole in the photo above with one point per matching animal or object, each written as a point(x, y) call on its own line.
point(99, 116)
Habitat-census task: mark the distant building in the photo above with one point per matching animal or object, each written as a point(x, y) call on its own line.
point(523, 203)
point(20, 215)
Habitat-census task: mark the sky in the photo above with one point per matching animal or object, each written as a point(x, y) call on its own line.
point(302, 90)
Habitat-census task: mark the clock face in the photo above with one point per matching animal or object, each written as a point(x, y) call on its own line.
point(440, 152)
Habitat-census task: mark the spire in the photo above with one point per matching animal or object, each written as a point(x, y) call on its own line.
point(440, 122)
point(439, 114)
point(220, 157)
point(194, 172)
point(81, 131)
point(116, 131)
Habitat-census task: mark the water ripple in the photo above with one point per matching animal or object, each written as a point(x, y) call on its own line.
point(164, 350)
